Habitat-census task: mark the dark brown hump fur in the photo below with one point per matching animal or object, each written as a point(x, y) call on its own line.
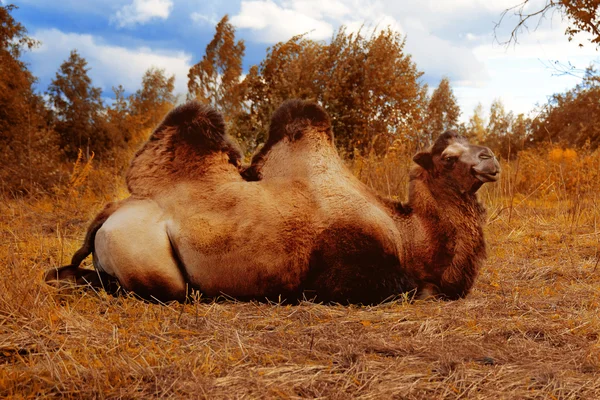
point(178, 147)
point(294, 117)
point(292, 120)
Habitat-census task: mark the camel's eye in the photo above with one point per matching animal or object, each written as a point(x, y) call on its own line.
point(450, 159)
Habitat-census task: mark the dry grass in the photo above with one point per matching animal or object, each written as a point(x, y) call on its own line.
point(530, 328)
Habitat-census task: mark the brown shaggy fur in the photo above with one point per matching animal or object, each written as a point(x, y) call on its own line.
point(178, 147)
point(440, 242)
point(289, 121)
point(175, 151)
point(307, 227)
point(445, 243)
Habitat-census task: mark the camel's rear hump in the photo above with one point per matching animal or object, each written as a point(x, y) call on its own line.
point(292, 121)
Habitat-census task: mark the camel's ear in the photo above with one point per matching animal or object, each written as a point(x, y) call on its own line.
point(423, 158)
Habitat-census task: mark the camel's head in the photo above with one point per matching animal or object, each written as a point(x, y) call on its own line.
point(458, 163)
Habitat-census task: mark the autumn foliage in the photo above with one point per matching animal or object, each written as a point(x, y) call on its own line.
point(528, 330)
point(369, 85)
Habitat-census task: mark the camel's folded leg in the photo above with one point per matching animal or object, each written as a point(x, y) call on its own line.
point(72, 272)
point(88, 243)
point(80, 276)
point(133, 246)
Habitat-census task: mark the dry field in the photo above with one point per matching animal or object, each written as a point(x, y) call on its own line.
point(529, 329)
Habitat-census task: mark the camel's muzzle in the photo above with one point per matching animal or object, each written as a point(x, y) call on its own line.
point(488, 169)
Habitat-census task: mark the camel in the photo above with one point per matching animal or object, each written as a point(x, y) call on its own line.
point(295, 223)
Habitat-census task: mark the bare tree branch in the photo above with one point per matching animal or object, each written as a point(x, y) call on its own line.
point(583, 17)
point(524, 17)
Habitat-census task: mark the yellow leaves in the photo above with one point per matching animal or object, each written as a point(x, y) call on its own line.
point(559, 155)
point(555, 173)
point(473, 326)
point(569, 155)
point(365, 323)
point(80, 173)
point(494, 279)
point(547, 291)
point(555, 155)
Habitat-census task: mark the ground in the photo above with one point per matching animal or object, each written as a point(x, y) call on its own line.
point(529, 329)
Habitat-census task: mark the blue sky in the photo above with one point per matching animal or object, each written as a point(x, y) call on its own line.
point(454, 38)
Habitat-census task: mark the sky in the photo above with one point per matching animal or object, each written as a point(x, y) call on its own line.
point(121, 39)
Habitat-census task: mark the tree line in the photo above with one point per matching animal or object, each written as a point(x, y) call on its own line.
point(367, 82)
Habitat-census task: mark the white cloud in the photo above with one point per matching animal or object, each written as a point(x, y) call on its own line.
point(372, 18)
point(273, 23)
point(446, 38)
point(457, 6)
point(546, 42)
point(438, 56)
point(320, 8)
point(110, 65)
point(204, 19)
point(142, 11)
point(521, 75)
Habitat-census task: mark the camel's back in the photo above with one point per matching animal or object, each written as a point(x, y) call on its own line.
point(255, 239)
point(244, 238)
point(340, 197)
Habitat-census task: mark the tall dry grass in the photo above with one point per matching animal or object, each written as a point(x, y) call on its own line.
point(530, 328)
point(566, 181)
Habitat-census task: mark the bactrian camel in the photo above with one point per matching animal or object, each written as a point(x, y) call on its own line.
point(295, 223)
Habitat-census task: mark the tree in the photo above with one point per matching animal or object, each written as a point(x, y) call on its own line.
point(288, 71)
point(500, 121)
point(583, 17)
point(520, 132)
point(216, 78)
point(369, 86)
point(151, 103)
point(442, 110)
point(18, 103)
point(571, 118)
point(78, 107)
point(118, 113)
point(120, 127)
point(503, 133)
point(500, 127)
point(475, 129)
point(28, 147)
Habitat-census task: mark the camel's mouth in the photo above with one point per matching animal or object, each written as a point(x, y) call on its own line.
point(488, 170)
point(487, 176)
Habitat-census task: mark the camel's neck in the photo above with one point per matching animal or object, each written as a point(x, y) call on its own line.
point(449, 246)
point(431, 200)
